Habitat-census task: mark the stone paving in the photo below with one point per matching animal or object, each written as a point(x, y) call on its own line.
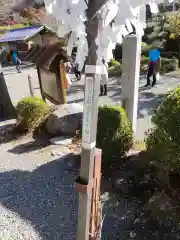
point(148, 98)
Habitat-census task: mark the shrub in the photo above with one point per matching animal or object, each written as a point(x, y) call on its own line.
point(144, 60)
point(144, 48)
point(113, 62)
point(30, 112)
point(114, 134)
point(170, 55)
point(144, 64)
point(114, 68)
point(168, 65)
point(115, 71)
point(163, 141)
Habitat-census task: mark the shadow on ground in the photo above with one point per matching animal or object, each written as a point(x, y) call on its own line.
point(46, 197)
point(30, 146)
point(75, 88)
point(80, 100)
point(148, 101)
point(7, 133)
point(130, 189)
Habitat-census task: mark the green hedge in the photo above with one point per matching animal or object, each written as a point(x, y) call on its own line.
point(30, 111)
point(167, 65)
point(144, 64)
point(114, 68)
point(163, 141)
point(114, 134)
point(113, 63)
point(115, 71)
point(145, 48)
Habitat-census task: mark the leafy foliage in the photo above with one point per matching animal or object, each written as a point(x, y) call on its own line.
point(156, 32)
point(160, 32)
point(175, 30)
point(33, 14)
point(168, 65)
point(175, 25)
point(145, 48)
point(31, 111)
point(114, 133)
point(144, 64)
point(114, 68)
point(113, 62)
point(163, 141)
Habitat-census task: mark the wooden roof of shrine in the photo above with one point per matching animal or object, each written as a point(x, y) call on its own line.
point(45, 56)
point(23, 34)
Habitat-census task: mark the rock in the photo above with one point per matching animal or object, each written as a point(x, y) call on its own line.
point(121, 185)
point(144, 220)
point(62, 141)
point(58, 154)
point(66, 120)
point(136, 221)
point(59, 151)
point(177, 236)
point(132, 234)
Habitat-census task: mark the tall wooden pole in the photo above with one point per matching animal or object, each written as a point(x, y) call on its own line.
point(90, 116)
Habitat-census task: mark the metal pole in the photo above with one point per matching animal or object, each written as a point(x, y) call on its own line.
point(90, 115)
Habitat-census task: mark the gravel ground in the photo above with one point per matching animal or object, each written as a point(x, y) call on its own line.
point(38, 199)
point(37, 194)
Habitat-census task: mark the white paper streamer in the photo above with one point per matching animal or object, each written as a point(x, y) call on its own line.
point(129, 26)
point(142, 16)
point(69, 16)
point(153, 7)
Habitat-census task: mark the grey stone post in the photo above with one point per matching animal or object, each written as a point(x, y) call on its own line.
point(130, 76)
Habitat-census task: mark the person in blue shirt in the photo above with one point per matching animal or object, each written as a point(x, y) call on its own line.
point(153, 66)
point(16, 60)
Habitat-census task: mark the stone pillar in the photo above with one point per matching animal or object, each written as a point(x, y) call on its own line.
point(130, 77)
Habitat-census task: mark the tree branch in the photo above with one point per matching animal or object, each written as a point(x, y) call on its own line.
point(86, 2)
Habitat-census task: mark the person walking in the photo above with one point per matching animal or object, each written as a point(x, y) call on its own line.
point(104, 79)
point(16, 60)
point(67, 69)
point(75, 67)
point(153, 67)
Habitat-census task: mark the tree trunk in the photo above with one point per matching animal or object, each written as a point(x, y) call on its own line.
point(7, 109)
